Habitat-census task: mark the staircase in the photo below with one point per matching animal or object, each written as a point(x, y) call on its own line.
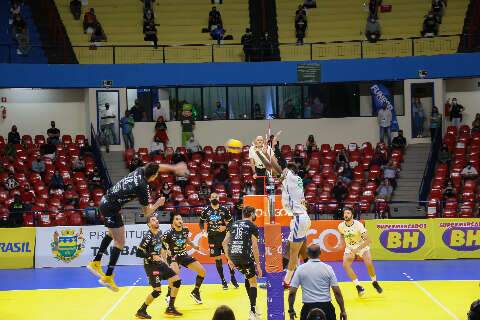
point(408, 185)
point(117, 170)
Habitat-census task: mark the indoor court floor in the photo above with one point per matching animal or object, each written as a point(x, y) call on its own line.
point(435, 289)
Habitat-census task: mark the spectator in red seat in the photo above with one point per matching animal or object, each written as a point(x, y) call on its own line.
point(89, 20)
point(38, 165)
point(340, 192)
point(57, 182)
point(204, 192)
point(11, 183)
point(248, 189)
point(157, 147)
point(161, 131)
point(127, 123)
point(48, 150)
point(379, 157)
point(469, 172)
point(71, 196)
point(390, 172)
point(346, 174)
point(166, 191)
point(193, 145)
point(444, 156)
point(76, 9)
point(214, 18)
point(178, 157)
point(385, 190)
point(10, 152)
point(28, 196)
point(53, 134)
point(78, 164)
point(449, 191)
point(16, 210)
point(135, 162)
point(95, 180)
point(399, 142)
point(310, 144)
point(341, 159)
point(476, 123)
point(91, 214)
point(13, 136)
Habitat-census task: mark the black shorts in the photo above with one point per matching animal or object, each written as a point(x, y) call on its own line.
point(156, 272)
point(184, 260)
point(247, 268)
point(215, 244)
point(111, 214)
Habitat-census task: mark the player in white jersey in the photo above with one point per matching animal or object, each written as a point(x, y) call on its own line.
point(357, 244)
point(293, 201)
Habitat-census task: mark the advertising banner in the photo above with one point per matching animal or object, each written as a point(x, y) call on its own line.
point(76, 246)
point(400, 239)
point(260, 204)
point(17, 247)
point(456, 238)
point(381, 95)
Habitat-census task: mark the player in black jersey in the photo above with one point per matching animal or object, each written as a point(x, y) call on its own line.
point(175, 240)
point(133, 186)
point(219, 220)
point(241, 247)
point(156, 268)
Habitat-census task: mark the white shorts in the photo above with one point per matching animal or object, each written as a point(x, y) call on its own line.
point(299, 227)
point(360, 253)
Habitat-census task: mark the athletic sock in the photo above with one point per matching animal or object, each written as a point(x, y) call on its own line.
point(143, 308)
point(356, 282)
point(374, 278)
point(218, 264)
point(232, 273)
point(171, 303)
point(114, 255)
point(252, 295)
point(103, 247)
point(198, 282)
point(247, 287)
point(169, 291)
point(288, 276)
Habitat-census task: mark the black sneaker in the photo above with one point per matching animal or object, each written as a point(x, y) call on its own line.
point(377, 287)
point(171, 311)
point(142, 314)
point(234, 282)
point(195, 294)
point(224, 284)
point(361, 290)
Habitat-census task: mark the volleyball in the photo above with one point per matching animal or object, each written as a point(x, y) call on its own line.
point(234, 146)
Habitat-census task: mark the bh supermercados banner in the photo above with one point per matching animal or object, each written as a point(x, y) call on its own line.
point(456, 238)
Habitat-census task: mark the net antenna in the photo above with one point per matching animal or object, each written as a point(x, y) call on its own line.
point(270, 179)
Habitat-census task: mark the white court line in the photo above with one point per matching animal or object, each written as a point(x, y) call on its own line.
point(112, 308)
point(441, 305)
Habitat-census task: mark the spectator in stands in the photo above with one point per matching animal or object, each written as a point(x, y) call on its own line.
point(288, 111)
point(310, 143)
point(373, 8)
point(48, 150)
point(78, 164)
point(318, 108)
point(160, 111)
point(204, 192)
point(98, 33)
point(218, 34)
point(430, 26)
point(372, 30)
point(76, 9)
point(10, 182)
point(135, 163)
point(127, 123)
point(161, 131)
point(28, 196)
point(307, 109)
point(166, 191)
point(148, 16)
point(193, 145)
point(469, 172)
point(181, 181)
point(258, 168)
point(89, 20)
point(444, 156)
point(107, 117)
point(16, 210)
point(178, 157)
point(136, 110)
point(247, 41)
point(300, 11)
point(221, 177)
point(17, 25)
point(156, 147)
point(219, 113)
point(385, 190)
point(94, 180)
point(435, 123)
point(248, 189)
point(438, 9)
point(308, 4)
point(346, 174)
point(223, 312)
point(70, 195)
point(258, 113)
point(214, 18)
point(13, 136)
point(14, 11)
point(300, 28)
point(150, 31)
point(418, 117)
point(384, 119)
point(449, 191)
point(456, 110)
point(57, 182)
point(340, 192)
point(341, 159)
point(53, 134)
point(399, 142)
point(390, 172)
point(476, 123)
point(91, 214)
point(188, 123)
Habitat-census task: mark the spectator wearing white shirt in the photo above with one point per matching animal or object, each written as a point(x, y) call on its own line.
point(384, 119)
point(469, 172)
point(108, 125)
point(193, 145)
point(160, 111)
point(257, 165)
point(156, 147)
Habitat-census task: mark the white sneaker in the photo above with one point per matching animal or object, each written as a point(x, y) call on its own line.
point(255, 315)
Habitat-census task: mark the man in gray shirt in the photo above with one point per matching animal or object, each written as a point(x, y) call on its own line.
point(316, 279)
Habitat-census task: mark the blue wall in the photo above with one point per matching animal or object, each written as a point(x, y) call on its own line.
point(62, 76)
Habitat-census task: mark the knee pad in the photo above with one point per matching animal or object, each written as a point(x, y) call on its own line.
point(155, 294)
point(177, 283)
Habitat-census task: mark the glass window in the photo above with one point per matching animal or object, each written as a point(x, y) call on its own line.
point(141, 101)
point(331, 100)
point(290, 102)
point(215, 103)
point(240, 102)
point(265, 102)
point(191, 96)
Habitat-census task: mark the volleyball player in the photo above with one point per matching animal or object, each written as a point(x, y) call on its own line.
point(156, 268)
point(357, 244)
point(219, 220)
point(133, 186)
point(293, 201)
point(241, 248)
point(175, 240)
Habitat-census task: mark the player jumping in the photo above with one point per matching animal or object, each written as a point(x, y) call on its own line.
point(134, 185)
point(156, 268)
point(218, 220)
point(241, 247)
point(293, 201)
point(357, 244)
point(175, 240)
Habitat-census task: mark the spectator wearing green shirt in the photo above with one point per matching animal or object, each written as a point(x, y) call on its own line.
point(127, 123)
point(435, 122)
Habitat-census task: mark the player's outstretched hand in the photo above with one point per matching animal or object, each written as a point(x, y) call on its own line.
point(180, 169)
point(259, 271)
point(343, 316)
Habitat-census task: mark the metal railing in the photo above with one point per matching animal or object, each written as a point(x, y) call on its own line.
point(201, 53)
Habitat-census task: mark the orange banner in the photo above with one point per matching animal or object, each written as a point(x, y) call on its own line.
point(261, 205)
point(201, 240)
point(273, 248)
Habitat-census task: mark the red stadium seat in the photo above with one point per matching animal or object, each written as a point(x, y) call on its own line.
point(67, 139)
